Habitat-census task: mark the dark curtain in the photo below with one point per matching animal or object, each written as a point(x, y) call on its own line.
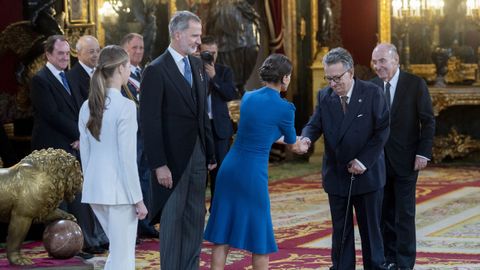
point(273, 9)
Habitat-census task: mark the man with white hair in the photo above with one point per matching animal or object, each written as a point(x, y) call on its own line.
point(88, 50)
point(79, 76)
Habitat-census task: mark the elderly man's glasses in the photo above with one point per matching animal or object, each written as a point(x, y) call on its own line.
point(335, 79)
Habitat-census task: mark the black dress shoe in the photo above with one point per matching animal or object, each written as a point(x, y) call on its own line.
point(95, 250)
point(85, 255)
point(390, 266)
point(149, 232)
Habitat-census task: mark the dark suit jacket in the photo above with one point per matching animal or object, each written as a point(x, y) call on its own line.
point(55, 112)
point(412, 124)
point(359, 134)
point(78, 77)
point(222, 90)
point(172, 121)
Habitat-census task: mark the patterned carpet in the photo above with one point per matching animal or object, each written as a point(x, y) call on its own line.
point(448, 226)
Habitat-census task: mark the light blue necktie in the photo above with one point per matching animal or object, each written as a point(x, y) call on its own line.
point(65, 82)
point(187, 71)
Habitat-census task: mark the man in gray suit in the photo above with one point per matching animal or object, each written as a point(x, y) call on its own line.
point(178, 142)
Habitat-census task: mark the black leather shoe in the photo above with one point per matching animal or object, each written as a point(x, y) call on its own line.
point(150, 234)
point(85, 255)
point(95, 250)
point(391, 266)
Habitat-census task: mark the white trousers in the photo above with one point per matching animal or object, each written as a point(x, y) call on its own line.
point(120, 224)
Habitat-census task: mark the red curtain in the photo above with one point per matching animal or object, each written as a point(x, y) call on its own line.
point(11, 12)
point(273, 9)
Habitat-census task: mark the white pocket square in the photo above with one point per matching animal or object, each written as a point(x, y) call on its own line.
point(360, 115)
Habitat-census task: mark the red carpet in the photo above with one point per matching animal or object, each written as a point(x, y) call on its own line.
point(448, 226)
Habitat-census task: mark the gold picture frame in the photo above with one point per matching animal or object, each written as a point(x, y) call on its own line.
point(79, 12)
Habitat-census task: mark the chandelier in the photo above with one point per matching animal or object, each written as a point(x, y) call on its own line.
point(417, 9)
point(473, 9)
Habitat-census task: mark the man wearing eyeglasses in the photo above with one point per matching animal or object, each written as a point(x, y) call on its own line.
point(353, 117)
point(407, 151)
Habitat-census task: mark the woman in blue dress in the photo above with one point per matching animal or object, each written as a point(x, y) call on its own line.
point(240, 214)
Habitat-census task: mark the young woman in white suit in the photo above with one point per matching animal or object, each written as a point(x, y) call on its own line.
point(108, 149)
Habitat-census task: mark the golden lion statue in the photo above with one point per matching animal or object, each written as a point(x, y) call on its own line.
point(32, 190)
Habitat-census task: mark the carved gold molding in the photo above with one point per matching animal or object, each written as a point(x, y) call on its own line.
point(384, 20)
point(426, 71)
point(454, 145)
point(443, 98)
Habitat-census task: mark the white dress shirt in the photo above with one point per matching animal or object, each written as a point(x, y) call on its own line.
point(178, 58)
point(393, 85)
point(87, 69)
point(56, 72)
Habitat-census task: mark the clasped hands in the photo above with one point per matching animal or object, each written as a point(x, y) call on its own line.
point(301, 146)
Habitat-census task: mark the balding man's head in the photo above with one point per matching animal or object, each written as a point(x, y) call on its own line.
point(88, 50)
point(385, 61)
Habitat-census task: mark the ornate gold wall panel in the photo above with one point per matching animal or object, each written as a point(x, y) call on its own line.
point(443, 98)
point(454, 144)
point(384, 20)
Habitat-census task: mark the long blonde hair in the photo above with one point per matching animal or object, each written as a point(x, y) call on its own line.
point(110, 58)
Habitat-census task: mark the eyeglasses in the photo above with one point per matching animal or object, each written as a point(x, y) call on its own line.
point(335, 79)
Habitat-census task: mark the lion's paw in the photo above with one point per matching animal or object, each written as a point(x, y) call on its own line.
point(70, 217)
point(18, 259)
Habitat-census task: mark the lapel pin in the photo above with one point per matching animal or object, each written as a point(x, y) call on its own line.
point(360, 100)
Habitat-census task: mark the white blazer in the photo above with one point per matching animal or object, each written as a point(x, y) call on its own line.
point(110, 165)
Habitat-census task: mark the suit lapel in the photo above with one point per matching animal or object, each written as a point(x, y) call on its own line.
point(77, 90)
point(178, 80)
point(356, 102)
point(334, 107)
point(199, 82)
point(61, 90)
point(399, 93)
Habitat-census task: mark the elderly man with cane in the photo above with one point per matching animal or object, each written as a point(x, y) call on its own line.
point(353, 117)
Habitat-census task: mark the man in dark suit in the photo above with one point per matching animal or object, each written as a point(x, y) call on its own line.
point(408, 150)
point(178, 142)
point(134, 46)
point(79, 75)
point(353, 117)
point(220, 90)
point(56, 104)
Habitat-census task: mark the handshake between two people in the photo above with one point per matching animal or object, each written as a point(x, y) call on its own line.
point(301, 146)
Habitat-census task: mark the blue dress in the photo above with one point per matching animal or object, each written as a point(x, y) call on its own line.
point(240, 213)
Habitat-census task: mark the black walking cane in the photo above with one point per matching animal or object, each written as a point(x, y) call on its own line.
point(342, 244)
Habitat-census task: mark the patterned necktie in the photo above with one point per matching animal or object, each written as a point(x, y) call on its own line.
point(187, 71)
point(138, 73)
point(343, 101)
point(387, 94)
point(65, 82)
